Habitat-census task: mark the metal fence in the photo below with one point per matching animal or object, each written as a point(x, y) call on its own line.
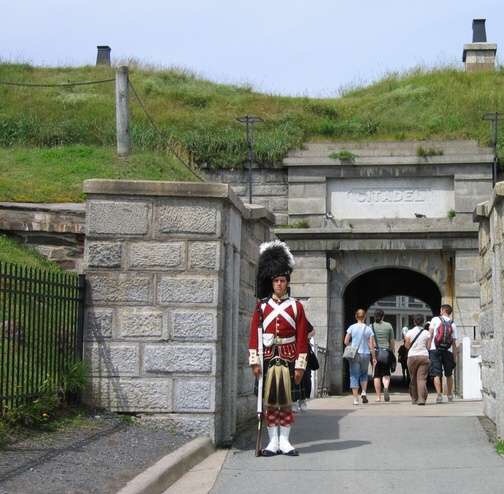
point(41, 330)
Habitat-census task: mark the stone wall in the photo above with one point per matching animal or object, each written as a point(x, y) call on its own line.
point(269, 187)
point(170, 274)
point(56, 231)
point(490, 216)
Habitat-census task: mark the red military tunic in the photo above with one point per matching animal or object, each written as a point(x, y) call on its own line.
point(286, 322)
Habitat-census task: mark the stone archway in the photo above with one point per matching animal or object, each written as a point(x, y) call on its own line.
point(358, 279)
point(373, 285)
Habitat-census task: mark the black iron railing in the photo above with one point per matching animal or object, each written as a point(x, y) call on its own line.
point(41, 330)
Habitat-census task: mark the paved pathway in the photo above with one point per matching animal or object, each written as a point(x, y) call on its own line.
point(378, 448)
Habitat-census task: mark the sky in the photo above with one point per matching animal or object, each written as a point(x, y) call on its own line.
point(291, 47)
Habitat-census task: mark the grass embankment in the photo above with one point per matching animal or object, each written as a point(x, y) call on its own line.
point(438, 104)
point(56, 174)
point(11, 251)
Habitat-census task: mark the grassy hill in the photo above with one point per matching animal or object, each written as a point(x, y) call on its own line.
point(443, 103)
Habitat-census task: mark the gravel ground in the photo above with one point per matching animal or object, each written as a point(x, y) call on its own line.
point(98, 456)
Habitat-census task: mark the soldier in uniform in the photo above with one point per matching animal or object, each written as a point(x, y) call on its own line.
point(284, 330)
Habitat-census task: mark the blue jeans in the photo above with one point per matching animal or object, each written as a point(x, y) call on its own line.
point(359, 369)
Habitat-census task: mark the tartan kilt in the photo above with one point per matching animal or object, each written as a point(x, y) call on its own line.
point(298, 391)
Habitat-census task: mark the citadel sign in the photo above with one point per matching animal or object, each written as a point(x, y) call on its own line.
point(391, 197)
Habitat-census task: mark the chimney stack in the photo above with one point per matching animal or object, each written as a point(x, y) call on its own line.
point(479, 55)
point(103, 55)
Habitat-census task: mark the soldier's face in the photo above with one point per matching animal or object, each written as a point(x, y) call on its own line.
point(280, 284)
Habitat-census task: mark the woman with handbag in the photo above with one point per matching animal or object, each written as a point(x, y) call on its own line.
point(361, 344)
point(418, 341)
point(385, 346)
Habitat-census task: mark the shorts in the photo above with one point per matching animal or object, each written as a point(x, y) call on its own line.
point(359, 369)
point(382, 369)
point(441, 360)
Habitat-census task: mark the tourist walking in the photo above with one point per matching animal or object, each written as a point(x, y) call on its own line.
point(417, 341)
point(278, 331)
point(443, 343)
point(360, 336)
point(385, 346)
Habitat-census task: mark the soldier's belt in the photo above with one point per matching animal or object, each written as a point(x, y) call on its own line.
point(269, 340)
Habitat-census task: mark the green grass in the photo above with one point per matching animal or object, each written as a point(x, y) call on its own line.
point(499, 447)
point(56, 174)
point(421, 104)
point(13, 252)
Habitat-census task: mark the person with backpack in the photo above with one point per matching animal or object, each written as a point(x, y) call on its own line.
point(443, 341)
point(417, 341)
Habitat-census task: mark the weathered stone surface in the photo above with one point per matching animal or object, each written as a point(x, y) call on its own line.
point(113, 359)
point(188, 424)
point(186, 290)
point(117, 217)
point(140, 322)
point(98, 323)
point(193, 395)
point(119, 288)
point(157, 255)
point(138, 395)
point(204, 255)
point(104, 254)
point(178, 358)
point(187, 217)
point(194, 325)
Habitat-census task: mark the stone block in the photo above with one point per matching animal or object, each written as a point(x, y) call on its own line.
point(157, 255)
point(204, 255)
point(194, 395)
point(178, 358)
point(115, 288)
point(190, 425)
point(315, 275)
point(132, 395)
point(113, 359)
point(142, 322)
point(187, 290)
point(270, 190)
point(307, 206)
point(194, 325)
point(188, 216)
point(104, 254)
point(117, 217)
point(98, 324)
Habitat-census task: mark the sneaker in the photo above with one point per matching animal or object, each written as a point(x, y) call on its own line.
point(422, 403)
point(450, 397)
point(386, 395)
point(378, 400)
point(439, 399)
point(364, 399)
point(356, 401)
point(414, 402)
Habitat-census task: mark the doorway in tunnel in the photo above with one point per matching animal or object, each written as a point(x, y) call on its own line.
point(387, 284)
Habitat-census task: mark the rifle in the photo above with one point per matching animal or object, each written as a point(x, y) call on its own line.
point(260, 380)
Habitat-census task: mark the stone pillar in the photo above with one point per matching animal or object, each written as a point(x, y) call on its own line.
point(490, 216)
point(103, 55)
point(163, 265)
point(479, 55)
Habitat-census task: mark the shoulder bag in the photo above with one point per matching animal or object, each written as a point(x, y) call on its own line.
point(350, 351)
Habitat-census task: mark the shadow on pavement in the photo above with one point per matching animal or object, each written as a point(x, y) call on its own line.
point(331, 446)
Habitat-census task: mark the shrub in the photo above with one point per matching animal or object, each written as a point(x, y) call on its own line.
point(343, 155)
point(422, 152)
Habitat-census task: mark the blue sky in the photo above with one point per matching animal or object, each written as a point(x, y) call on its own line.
point(291, 47)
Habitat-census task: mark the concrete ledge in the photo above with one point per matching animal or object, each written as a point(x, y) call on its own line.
point(152, 188)
point(170, 468)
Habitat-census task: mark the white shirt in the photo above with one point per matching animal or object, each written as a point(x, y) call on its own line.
point(434, 325)
point(419, 348)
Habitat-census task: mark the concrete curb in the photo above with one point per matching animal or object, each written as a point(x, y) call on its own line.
point(157, 478)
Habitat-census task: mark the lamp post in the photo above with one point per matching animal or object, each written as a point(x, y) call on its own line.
point(249, 122)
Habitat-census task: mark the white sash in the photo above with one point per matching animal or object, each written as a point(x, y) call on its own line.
point(280, 310)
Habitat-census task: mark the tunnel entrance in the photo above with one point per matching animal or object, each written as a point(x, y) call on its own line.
point(378, 284)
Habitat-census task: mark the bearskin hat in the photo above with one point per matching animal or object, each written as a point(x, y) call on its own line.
point(275, 259)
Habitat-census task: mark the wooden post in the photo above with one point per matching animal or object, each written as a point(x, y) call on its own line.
point(122, 114)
